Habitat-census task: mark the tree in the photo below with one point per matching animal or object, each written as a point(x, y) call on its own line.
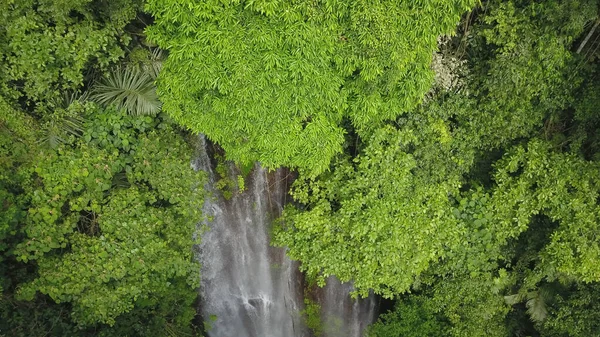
point(130, 88)
point(97, 208)
point(17, 141)
point(48, 46)
point(523, 69)
point(116, 208)
point(381, 218)
point(441, 201)
point(274, 81)
point(409, 319)
point(575, 312)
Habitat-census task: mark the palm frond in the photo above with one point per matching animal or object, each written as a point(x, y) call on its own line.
point(536, 306)
point(535, 301)
point(74, 96)
point(67, 98)
point(154, 64)
point(120, 180)
point(130, 89)
point(59, 128)
point(513, 299)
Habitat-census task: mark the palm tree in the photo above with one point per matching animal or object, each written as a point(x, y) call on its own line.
point(130, 88)
point(535, 301)
point(64, 122)
point(154, 64)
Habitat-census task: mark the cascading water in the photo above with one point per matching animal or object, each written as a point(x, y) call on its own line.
point(250, 289)
point(341, 315)
point(247, 285)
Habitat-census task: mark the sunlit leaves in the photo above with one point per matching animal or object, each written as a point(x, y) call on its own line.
point(379, 220)
point(565, 188)
point(272, 81)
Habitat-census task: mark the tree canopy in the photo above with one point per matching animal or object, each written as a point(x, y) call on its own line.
point(447, 157)
point(98, 203)
point(277, 81)
point(482, 202)
point(48, 46)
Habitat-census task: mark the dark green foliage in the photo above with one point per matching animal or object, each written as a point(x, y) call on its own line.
point(97, 208)
point(41, 317)
point(474, 203)
point(62, 126)
point(163, 315)
point(530, 73)
point(123, 243)
point(575, 313)
point(128, 242)
point(48, 46)
point(17, 141)
point(485, 200)
point(409, 319)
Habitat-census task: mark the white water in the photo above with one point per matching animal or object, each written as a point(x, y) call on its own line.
point(250, 289)
point(341, 315)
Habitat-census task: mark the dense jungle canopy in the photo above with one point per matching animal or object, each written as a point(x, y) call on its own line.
point(447, 156)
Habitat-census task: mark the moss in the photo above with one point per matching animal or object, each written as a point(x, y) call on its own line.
point(312, 317)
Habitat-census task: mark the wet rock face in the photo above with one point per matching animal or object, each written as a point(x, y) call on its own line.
point(250, 289)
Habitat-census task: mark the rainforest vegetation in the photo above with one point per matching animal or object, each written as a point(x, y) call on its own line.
point(447, 156)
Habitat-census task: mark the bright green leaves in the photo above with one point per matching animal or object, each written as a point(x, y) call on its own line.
point(64, 176)
point(538, 222)
point(97, 209)
point(17, 149)
point(379, 221)
point(471, 305)
point(112, 216)
point(47, 45)
point(271, 81)
point(563, 187)
point(254, 114)
point(139, 250)
point(441, 203)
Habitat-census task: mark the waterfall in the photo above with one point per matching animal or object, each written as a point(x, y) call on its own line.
point(341, 315)
point(248, 288)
